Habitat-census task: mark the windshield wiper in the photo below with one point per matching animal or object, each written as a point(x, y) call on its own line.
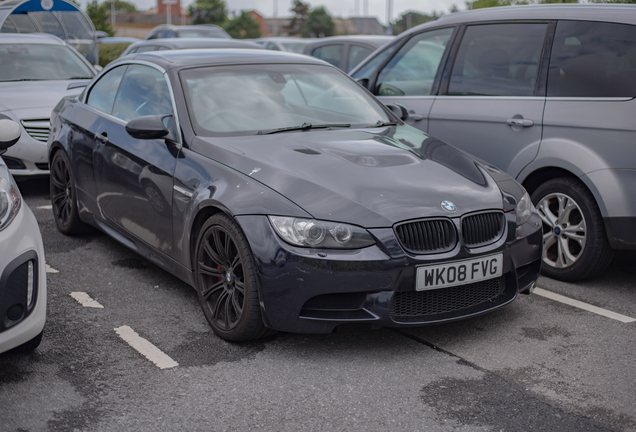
point(381, 123)
point(79, 77)
point(304, 126)
point(23, 79)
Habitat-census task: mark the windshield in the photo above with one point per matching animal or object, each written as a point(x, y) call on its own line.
point(248, 99)
point(30, 62)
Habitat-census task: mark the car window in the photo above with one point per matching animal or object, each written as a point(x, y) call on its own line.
point(357, 53)
point(498, 60)
point(592, 59)
point(146, 48)
point(246, 99)
point(367, 70)
point(295, 47)
point(329, 53)
point(103, 93)
point(164, 48)
point(143, 91)
point(411, 72)
point(35, 62)
point(272, 46)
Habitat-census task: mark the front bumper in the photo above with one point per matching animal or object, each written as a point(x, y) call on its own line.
point(21, 243)
point(314, 291)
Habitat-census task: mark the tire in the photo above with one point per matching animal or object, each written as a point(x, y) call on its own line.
point(226, 281)
point(575, 245)
point(64, 196)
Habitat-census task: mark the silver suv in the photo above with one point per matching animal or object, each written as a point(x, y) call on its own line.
point(545, 93)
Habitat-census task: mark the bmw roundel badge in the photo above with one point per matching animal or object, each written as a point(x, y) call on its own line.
point(449, 206)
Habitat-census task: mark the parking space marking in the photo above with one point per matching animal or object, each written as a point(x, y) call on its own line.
point(85, 300)
point(50, 269)
point(46, 207)
point(584, 306)
point(145, 348)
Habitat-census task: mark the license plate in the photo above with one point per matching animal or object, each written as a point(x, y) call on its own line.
point(458, 272)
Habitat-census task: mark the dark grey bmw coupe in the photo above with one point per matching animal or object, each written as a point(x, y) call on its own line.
point(287, 195)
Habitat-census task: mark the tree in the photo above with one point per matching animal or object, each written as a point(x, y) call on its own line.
point(479, 4)
point(318, 24)
point(243, 26)
point(99, 16)
point(300, 12)
point(411, 19)
point(208, 12)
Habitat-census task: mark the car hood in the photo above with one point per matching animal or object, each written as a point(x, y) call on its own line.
point(35, 94)
point(369, 177)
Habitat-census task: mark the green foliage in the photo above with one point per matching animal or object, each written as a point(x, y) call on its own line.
point(208, 12)
point(243, 26)
point(411, 19)
point(99, 16)
point(110, 51)
point(300, 12)
point(318, 24)
point(100, 13)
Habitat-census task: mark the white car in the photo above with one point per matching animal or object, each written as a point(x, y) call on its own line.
point(22, 265)
point(36, 71)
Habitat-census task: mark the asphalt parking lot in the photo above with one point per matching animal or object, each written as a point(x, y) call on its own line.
point(539, 364)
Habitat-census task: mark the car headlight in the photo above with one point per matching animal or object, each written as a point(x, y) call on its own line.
point(320, 234)
point(10, 199)
point(524, 209)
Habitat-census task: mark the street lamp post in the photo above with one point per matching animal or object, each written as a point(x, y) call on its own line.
point(168, 4)
point(112, 15)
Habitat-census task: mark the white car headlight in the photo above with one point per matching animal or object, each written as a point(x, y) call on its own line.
point(10, 199)
point(320, 234)
point(524, 209)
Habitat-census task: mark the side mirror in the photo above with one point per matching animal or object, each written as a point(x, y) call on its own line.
point(98, 68)
point(399, 110)
point(364, 82)
point(147, 127)
point(9, 134)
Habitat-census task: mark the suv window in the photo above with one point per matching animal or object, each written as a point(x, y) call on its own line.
point(592, 59)
point(143, 91)
point(498, 60)
point(412, 70)
point(357, 53)
point(329, 53)
point(103, 93)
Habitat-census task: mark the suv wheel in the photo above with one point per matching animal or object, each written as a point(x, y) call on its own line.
point(574, 242)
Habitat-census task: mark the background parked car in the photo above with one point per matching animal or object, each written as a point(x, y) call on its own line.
point(22, 265)
point(289, 44)
point(345, 52)
point(36, 71)
point(187, 43)
point(549, 101)
point(190, 31)
point(289, 197)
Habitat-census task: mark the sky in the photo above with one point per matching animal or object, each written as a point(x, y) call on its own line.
point(337, 8)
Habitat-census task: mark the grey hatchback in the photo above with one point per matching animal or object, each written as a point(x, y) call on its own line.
point(545, 93)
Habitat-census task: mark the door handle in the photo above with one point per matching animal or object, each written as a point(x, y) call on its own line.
point(519, 122)
point(415, 116)
point(103, 137)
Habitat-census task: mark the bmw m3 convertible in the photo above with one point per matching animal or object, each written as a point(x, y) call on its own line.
point(287, 195)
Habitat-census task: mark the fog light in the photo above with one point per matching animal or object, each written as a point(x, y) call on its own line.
point(15, 312)
point(30, 279)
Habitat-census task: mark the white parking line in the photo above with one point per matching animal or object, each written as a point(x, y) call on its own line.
point(145, 348)
point(46, 207)
point(584, 306)
point(85, 300)
point(50, 269)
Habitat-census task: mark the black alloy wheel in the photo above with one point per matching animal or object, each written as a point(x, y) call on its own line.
point(575, 244)
point(64, 196)
point(227, 284)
